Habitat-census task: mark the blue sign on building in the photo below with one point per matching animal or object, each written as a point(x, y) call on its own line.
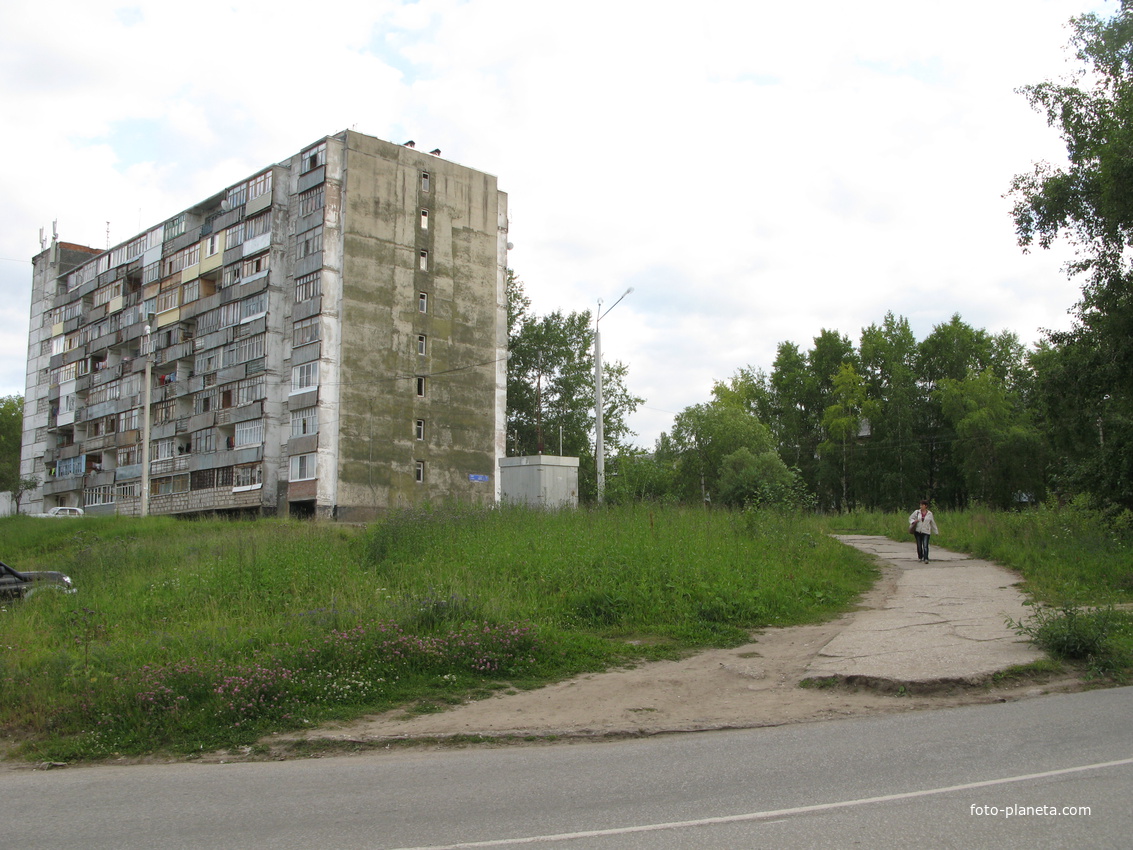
point(479, 478)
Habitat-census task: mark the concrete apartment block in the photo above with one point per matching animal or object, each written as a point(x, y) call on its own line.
point(326, 338)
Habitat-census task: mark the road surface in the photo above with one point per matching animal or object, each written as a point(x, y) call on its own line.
point(1052, 771)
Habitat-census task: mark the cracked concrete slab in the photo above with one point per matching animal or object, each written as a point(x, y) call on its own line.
point(945, 621)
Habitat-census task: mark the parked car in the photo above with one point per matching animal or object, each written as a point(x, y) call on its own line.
point(18, 585)
point(62, 512)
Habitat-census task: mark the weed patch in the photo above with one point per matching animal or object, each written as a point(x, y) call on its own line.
point(1100, 636)
point(196, 636)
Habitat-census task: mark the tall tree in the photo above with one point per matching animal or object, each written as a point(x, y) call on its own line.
point(895, 464)
point(719, 452)
point(550, 386)
point(1089, 202)
point(1001, 453)
point(11, 437)
point(843, 421)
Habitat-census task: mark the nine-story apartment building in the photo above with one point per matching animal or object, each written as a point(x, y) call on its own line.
point(326, 338)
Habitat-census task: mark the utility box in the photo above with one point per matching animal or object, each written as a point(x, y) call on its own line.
point(542, 481)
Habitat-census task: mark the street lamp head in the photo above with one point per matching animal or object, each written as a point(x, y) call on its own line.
point(600, 315)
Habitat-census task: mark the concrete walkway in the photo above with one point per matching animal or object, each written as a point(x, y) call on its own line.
point(940, 622)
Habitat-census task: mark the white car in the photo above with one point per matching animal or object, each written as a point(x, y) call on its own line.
point(62, 511)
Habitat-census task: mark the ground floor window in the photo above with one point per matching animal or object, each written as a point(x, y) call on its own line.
point(303, 467)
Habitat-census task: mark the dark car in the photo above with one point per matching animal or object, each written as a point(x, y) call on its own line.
point(16, 585)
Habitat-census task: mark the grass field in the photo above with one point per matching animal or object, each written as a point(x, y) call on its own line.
point(193, 635)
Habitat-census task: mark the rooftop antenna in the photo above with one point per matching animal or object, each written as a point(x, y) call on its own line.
point(55, 229)
point(42, 240)
point(108, 236)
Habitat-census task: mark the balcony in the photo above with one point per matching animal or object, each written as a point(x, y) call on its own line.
point(168, 465)
point(104, 441)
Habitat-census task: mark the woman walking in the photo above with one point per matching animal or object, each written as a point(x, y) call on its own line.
point(923, 525)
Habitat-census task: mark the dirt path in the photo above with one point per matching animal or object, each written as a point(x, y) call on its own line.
point(752, 685)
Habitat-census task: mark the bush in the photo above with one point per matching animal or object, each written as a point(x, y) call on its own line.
point(1077, 634)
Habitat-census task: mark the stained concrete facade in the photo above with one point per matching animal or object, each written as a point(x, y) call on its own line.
point(326, 338)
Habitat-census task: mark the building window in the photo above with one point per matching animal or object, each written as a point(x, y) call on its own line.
point(255, 265)
point(304, 421)
point(309, 243)
point(173, 228)
point(257, 226)
point(206, 361)
point(254, 306)
point(234, 235)
point(419, 429)
point(422, 344)
point(103, 495)
point(304, 376)
point(259, 185)
point(249, 433)
point(303, 467)
point(243, 350)
point(305, 331)
point(424, 181)
point(212, 245)
point(237, 195)
point(424, 261)
point(164, 412)
point(423, 302)
point(248, 476)
point(129, 420)
point(420, 386)
point(419, 471)
point(128, 490)
point(232, 276)
point(313, 158)
point(424, 219)
point(250, 389)
point(308, 286)
point(168, 300)
point(202, 479)
point(204, 441)
point(312, 200)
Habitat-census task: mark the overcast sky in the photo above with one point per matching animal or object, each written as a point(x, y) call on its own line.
point(758, 171)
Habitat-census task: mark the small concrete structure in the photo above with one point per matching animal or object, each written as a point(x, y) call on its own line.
point(543, 481)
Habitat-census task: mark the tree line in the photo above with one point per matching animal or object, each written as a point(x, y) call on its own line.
point(961, 417)
point(876, 425)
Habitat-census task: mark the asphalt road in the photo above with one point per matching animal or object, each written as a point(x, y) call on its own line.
point(979, 776)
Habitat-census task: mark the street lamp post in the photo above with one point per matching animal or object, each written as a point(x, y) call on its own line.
point(146, 418)
point(599, 446)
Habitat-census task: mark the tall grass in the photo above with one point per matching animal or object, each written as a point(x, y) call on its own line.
point(200, 634)
point(1067, 555)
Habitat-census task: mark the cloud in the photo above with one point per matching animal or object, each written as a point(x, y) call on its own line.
point(757, 171)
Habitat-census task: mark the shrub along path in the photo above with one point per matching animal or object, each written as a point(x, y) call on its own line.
point(926, 635)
